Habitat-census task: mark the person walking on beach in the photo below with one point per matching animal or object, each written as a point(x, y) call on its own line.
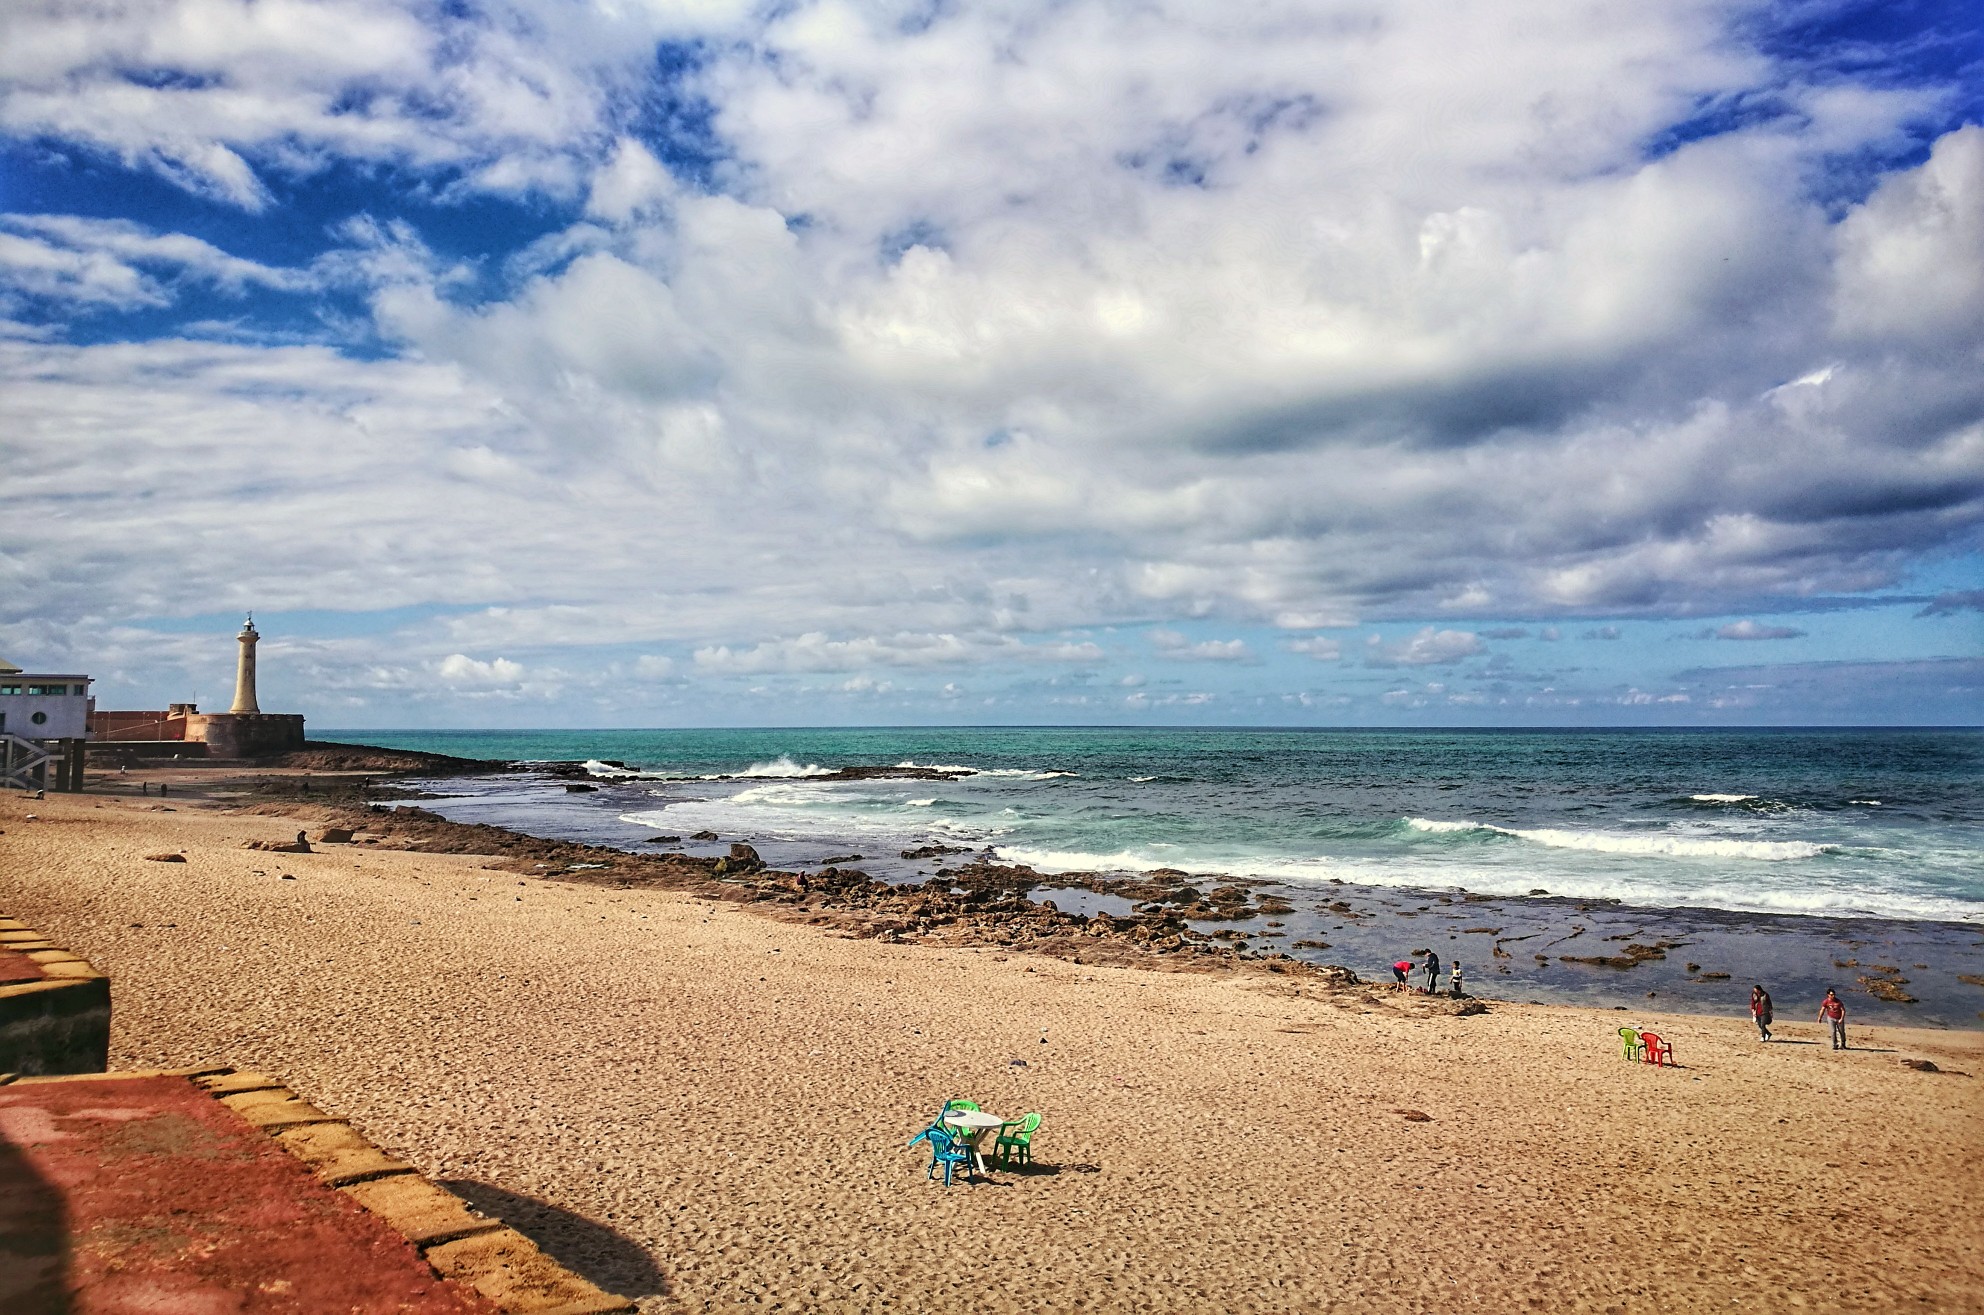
point(1432, 973)
point(1833, 1010)
point(1453, 981)
point(1760, 1010)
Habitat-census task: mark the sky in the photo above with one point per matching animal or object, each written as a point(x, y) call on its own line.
point(541, 363)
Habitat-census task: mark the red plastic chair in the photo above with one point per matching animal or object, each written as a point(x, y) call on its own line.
point(1658, 1052)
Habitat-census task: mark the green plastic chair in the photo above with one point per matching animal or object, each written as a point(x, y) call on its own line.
point(1629, 1040)
point(1016, 1141)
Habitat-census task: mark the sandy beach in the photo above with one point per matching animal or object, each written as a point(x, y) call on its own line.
point(706, 1108)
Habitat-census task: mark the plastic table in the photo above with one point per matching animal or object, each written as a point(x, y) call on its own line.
point(974, 1124)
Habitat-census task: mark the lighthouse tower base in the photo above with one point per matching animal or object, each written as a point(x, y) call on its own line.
point(246, 734)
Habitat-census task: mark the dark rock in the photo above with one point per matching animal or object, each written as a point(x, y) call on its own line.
point(663, 840)
point(335, 835)
point(165, 858)
point(580, 787)
point(932, 851)
point(705, 835)
point(1920, 1065)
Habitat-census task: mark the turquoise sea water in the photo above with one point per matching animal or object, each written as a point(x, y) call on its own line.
point(1802, 859)
point(1888, 824)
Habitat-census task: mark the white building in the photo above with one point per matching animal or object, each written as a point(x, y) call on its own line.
point(38, 706)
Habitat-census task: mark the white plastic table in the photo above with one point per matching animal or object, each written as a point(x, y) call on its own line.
point(974, 1124)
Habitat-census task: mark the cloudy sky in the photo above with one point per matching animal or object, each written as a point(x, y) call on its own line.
point(706, 362)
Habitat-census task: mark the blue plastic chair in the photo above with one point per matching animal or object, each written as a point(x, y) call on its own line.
point(946, 1149)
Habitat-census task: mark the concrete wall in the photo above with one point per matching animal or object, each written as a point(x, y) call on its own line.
point(148, 726)
point(246, 734)
point(58, 1022)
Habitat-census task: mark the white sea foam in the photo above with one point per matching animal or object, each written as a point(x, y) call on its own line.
point(1015, 773)
point(1869, 803)
point(921, 803)
point(1141, 779)
point(1612, 842)
point(1721, 798)
point(1441, 828)
point(594, 767)
point(782, 767)
point(1808, 898)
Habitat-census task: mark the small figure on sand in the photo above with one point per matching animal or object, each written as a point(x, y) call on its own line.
point(1833, 1010)
point(1453, 981)
point(1399, 971)
point(1432, 973)
point(1760, 1010)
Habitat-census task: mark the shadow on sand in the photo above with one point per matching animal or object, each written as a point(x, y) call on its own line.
point(586, 1247)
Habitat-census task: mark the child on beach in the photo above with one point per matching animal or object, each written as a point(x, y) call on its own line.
point(1432, 973)
point(1760, 1010)
point(1453, 981)
point(1833, 1010)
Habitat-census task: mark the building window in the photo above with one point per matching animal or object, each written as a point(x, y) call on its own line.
point(39, 719)
point(10, 689)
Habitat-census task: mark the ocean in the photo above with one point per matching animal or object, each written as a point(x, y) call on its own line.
point(1843, 841)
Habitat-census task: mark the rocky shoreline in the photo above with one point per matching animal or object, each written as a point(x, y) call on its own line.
point(1537, 947)
point(971, 902)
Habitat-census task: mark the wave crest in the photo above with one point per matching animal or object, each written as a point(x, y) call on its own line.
point(783, 767)
point(1609, 842)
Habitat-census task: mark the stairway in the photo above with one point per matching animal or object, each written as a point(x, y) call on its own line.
point(23, 763)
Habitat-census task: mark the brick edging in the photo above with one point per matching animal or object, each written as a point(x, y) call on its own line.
point(59, 1023)
point(460, 1244)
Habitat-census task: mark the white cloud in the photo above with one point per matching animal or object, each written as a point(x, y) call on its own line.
point(1172, 644)
point(1429, 647)
point(1911, 260)
point(1317, 647)
point(984, 330)
point(461, 669)
point(1747, 629)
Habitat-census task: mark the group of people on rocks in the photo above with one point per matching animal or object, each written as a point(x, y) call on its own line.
point(1832, 1010)
point(1402, 974)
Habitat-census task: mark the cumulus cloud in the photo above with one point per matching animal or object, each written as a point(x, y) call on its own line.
point(815, 651)
point(1747, 629)
point(461, 669)
point(1317, 647)
point(1171, 644)
point(920, 344)
point(1429, 647)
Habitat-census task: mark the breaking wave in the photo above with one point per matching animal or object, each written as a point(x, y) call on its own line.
point(1608, 842)
point(783, 768)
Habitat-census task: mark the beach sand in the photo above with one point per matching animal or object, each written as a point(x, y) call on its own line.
point(706, 1108)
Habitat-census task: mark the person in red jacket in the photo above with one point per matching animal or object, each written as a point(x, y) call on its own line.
point(1833, 1010)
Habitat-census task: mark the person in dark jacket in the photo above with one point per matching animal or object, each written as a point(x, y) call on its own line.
point(1760, 1010)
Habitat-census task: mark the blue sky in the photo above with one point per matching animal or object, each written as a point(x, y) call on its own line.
point(550, 363)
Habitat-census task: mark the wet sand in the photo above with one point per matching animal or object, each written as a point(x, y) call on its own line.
point(704, 1107)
